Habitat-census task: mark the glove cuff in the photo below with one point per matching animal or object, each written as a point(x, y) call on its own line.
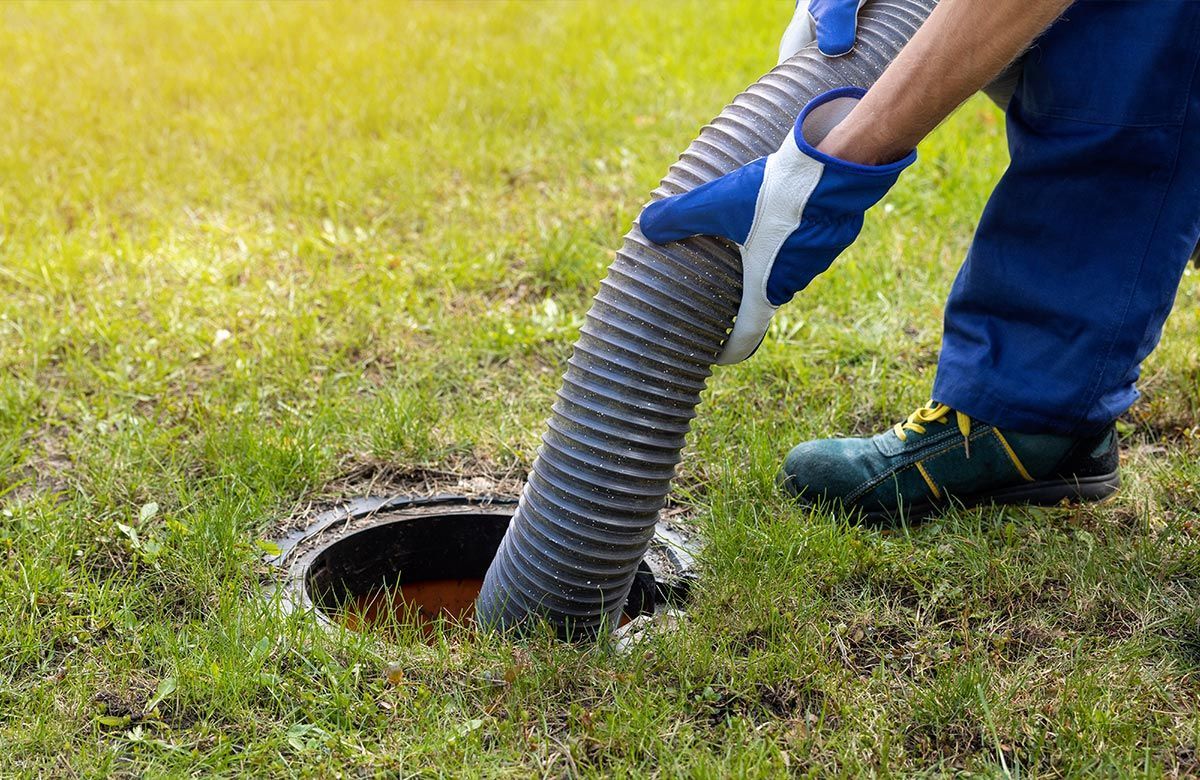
point(825, 112)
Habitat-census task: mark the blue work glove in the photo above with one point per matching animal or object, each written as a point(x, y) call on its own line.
point(831, 23)
point(790, 213)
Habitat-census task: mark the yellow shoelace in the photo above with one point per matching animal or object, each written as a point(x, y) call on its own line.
point(935, 413)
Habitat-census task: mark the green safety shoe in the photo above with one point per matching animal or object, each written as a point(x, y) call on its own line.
point(924, 464)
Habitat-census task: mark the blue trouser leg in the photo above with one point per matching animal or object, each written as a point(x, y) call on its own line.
point(1080, 249)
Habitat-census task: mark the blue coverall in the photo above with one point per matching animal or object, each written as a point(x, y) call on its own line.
point(1079, 252)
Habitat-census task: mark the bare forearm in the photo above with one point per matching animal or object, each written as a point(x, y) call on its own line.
point(961, 47)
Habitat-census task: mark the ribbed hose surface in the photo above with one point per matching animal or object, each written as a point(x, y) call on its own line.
point(645, 351)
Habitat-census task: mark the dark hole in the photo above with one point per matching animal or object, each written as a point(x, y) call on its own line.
point(417, 569)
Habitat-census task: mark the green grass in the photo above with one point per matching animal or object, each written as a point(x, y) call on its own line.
point(252, 255)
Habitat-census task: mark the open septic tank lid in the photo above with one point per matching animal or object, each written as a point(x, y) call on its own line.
point(423, 559)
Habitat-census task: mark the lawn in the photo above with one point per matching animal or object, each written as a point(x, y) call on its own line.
point(254, 258)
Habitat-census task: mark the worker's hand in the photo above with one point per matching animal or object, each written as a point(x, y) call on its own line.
point(831, 23)
point(791, 213)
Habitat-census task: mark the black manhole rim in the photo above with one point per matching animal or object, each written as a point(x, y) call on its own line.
point(663, 582)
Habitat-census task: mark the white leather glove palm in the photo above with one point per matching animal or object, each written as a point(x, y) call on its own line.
point(831, 23)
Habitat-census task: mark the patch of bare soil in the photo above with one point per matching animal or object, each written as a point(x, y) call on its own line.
point(469, 477)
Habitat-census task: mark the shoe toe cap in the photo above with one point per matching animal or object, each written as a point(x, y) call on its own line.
point(826, 469)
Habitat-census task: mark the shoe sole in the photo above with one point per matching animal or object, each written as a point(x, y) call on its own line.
point(1048, 492)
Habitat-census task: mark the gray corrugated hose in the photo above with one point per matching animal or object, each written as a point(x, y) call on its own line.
point(644, 353)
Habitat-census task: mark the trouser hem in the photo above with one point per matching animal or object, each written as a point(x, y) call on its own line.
point(977, 403)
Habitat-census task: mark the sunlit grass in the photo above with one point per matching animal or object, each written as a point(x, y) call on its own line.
point(246, 250)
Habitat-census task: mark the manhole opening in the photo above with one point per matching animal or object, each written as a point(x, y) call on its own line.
point(380, 564)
